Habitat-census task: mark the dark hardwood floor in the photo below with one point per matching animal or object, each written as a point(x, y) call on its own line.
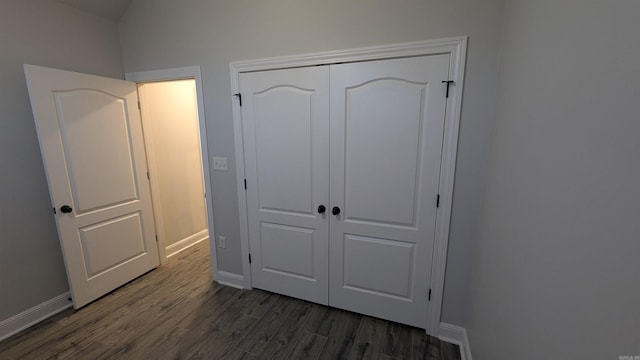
point(178, 312)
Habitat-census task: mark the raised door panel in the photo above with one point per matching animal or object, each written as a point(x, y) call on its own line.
point(111, 243)
point(97, 145)
point(287, 250)
point(286, 138)
point(393, 274)
point(382, 157)
point(387, 120)
point(283, 121)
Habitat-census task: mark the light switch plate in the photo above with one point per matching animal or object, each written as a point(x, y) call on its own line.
point(219, 163)
point(222, 242)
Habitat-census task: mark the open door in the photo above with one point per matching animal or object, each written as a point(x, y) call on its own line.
point(93, 150)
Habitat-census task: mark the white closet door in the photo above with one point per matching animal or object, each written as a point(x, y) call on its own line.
point(387, 120)
point(285, 125)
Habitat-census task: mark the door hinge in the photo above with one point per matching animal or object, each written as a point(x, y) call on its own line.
point(448, 82)
point(438, 201)
point(245, 184)
point(429, 299)
point(249, 258)
point(156, 237)
point(239, 96)
point(148, 176)
point(139, 107)
point(54, 210)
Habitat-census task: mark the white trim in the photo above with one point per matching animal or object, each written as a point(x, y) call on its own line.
point(456, 47)
point(187, 242)
point(230, 279)
point(240, 176)
point(190, 72)
point(447, 176)
point(456, 335)
point(34, 315)
point(429, 47)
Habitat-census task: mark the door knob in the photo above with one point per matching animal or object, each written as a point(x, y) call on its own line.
point(335, 210)
point(65, 209)
point(321, 209)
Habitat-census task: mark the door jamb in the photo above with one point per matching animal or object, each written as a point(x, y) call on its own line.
point(190, 72)
point(456, 47)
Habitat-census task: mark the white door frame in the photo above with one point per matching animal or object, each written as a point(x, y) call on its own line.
point(456, 47)
point(190, 72)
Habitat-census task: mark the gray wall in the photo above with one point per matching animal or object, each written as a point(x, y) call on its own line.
point(558, 262)
point(43, 33)
point(157, 34)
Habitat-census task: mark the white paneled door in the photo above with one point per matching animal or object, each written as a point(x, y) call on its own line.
point(92, 146)
point(387, 121)
point(364, 141)
point(285, 121)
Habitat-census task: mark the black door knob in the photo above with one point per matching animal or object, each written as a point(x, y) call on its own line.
point(321, 209)
point(335, 210)
point(66, 209)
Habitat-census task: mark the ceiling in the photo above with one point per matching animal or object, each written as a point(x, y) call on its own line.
point(109, 9)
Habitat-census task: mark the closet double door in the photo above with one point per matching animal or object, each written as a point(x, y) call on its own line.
point(342, 167)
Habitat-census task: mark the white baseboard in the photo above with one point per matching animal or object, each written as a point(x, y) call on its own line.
point(456, 335)
point(187, 242)
point(230, 279)
point(29, 317)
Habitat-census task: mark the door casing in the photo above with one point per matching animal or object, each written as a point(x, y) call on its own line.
point(190, 72)
point(456, 48)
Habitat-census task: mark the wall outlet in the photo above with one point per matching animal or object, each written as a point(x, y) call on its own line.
point(222, 242)
point(219, 163)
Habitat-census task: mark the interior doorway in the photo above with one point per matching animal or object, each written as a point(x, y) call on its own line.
point(194, 76)
point(94, 153)
point(170, 122)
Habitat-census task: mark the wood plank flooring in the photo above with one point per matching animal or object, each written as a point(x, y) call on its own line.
point(178, 312)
